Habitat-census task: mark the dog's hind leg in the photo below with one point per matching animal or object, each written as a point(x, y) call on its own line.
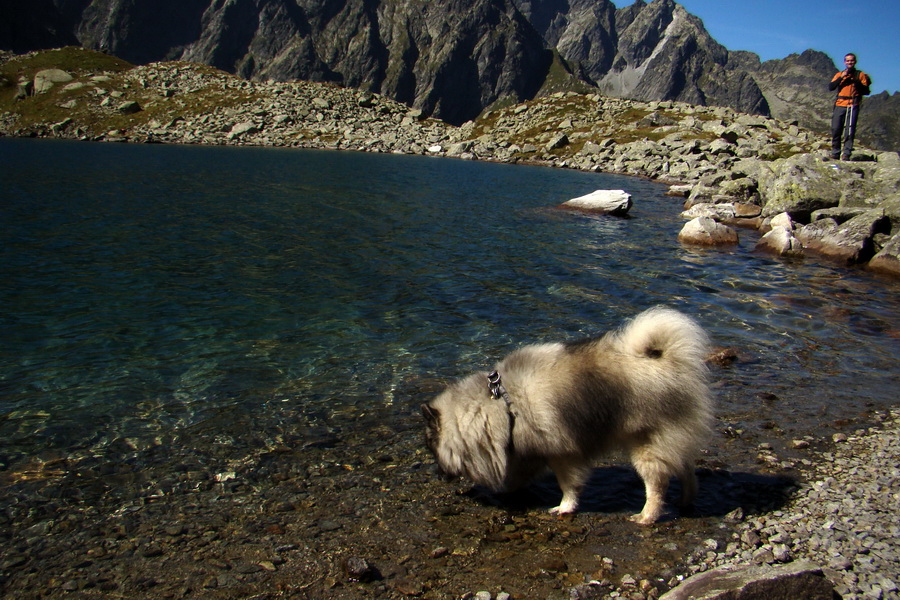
point(688, 485)
point(571, 477)
point(656, 474)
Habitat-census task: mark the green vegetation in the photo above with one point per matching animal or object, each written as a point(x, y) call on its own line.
point(70, 58)
point(102, 83)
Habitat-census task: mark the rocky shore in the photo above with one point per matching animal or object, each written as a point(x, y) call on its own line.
point(734, 170)
point(840, 517)
point(268, 515)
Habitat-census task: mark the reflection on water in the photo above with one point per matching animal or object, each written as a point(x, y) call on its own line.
point(150, 289)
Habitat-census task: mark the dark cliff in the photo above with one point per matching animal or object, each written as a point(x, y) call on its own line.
point(450, 59)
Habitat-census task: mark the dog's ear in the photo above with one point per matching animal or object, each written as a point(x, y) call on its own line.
point(432, 416)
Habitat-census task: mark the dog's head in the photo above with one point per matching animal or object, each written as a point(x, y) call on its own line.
point(468, 432)
point(432, 418)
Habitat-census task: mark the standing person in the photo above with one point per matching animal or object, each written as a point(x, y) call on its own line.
point(851, 85)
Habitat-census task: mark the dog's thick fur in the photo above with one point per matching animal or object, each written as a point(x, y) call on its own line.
point(642, 388)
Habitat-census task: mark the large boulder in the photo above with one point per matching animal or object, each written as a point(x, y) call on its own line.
point(799, 185)
point(801, 579)
point(704, 231)
point(851, 242)
point(888, 258)
point(46, 79)
point(613, 202)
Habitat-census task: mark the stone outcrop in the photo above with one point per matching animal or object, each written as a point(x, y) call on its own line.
point(800, 579)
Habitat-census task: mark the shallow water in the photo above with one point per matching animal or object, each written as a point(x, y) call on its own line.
point(150, 290)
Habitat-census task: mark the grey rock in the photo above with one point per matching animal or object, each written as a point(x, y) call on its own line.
point(851, 241)
point(838, 213)
point(781, 241)
point(558, 141)
point(704, 231)
point(129, 108)
point(801, 185)
point(47, 78)
point(243, 128)
point(801, 579)
point(24, 89)
point(887, 260)
point(614, 202)
point(719, 212)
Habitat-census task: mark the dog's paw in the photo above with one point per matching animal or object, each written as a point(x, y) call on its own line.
point(566, 508)
point(640, 519)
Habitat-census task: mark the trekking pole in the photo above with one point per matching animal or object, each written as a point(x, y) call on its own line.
point(850, 121)
point(848, 128)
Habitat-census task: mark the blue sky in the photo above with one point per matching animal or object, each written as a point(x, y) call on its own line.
point(777, 28)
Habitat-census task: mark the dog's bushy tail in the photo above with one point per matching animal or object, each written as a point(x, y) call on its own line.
point(666, 334)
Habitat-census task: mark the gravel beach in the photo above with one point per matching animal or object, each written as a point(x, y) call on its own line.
point(269, 515)
point(841, 517)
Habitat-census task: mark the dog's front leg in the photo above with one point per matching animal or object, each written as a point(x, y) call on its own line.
point(571, 478)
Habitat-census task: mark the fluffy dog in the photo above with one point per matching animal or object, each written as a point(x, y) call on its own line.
point(642, 388)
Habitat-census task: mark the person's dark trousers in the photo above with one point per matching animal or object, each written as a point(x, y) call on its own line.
point(840, 128)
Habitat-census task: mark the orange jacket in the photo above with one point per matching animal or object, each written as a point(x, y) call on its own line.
point(851, 88)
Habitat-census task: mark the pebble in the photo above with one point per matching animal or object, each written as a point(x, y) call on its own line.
point(839, 518)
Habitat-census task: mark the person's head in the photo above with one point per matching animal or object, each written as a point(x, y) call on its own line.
point(850, 61)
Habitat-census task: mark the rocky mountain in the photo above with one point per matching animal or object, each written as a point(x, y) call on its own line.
point(450, 59)
point(655, 51)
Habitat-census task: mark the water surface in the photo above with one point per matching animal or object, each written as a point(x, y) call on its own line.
point(152, 290)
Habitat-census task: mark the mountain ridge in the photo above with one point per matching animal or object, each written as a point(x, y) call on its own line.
point(455, 59)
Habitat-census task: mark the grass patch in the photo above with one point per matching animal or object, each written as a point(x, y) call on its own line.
point(76, 61)
point(92, 104)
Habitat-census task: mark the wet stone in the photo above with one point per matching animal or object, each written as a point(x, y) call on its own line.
point(247, 568)
point(329, 525)
point(359, 569)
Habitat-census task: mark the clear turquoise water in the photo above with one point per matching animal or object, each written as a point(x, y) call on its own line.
point(147, 290)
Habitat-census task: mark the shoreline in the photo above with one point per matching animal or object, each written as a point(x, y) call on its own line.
point(839, 517)
point(273, 516)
